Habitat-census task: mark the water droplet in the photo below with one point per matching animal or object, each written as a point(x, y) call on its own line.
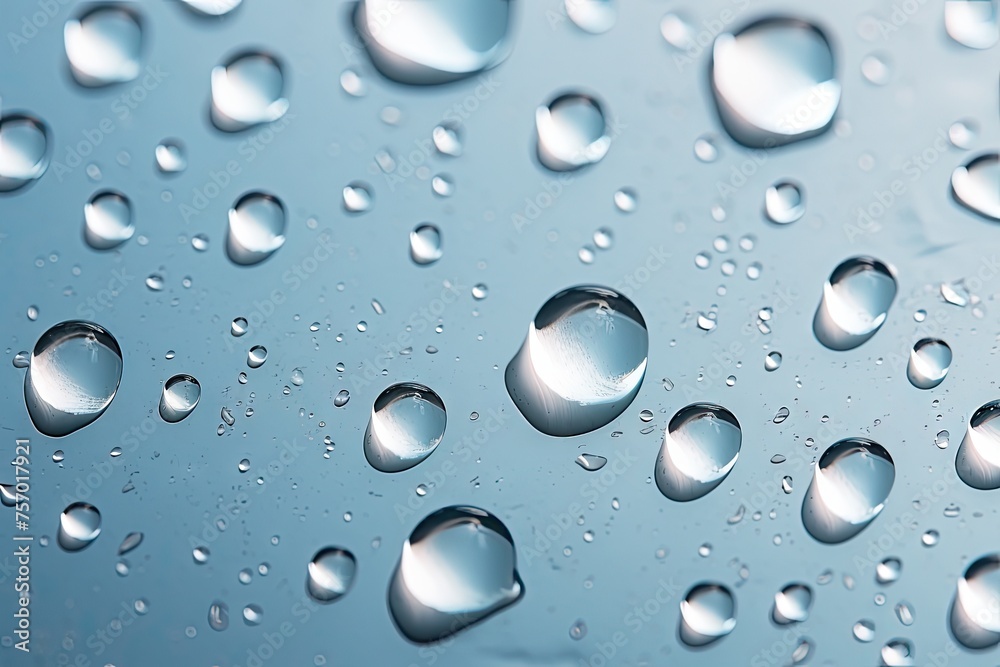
point(200, 555)
point(253, 614)
point(155, 282)
point(974, 184)
point(784, 202)
point(904, 612)
point(179, 398)
point(457, 568)
point(425, 244)
point(929, 362)
point(700, 448)
point(353, 84)
point(218, 616)
point(864, 630)
point(58, 456)
point(591, 462)
point(256, 356)
point(898, 653)
point(962, 134)
point(930, 538)
point(604, 238)
point(786, 484)
point(582, 362)
point(227, 417)
point(975, 611)
point(888, 570)
point(341, 399)
point(593, 16)
point(480, 291)
point(443, 185)
point(212, 7)
point(107, 220)
point(578, 630)
point(103, 45)
point(781, 415)
point(972, 23)
point(170, 156)
point(626, 200)
point(243, 465)
point(978, 459)
point(406, 425)
point(247, 91)
point(772, 361)
point(298, 378)
point(357, 197)
point(256, 228)
point(792, 604)
point(72, 377)
point(705, 149)
point(586, 254)
point(572, 132)
point(239, 326)
point(875, 68)
point(79, 526)
point(850, 485)
point(24, 151)
point(330, 574)
point(855, 303)
point(708, 613)
point(447, 139)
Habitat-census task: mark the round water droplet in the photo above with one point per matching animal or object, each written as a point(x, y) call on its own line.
point(179, 398)
point(774, 82)
point(24, 151)
point(352, 83)
point(357, 197)
point(864, 630)
point(962, 134)
point(425, 244)
point(784, 202)
point(855, 303)
point(975, 611)
point(708, 613)
point(792, 604)
point(582, 362)
point(705, 149)
point(170, 158)
point(700, 447)
point(212, 7)
point(591, 462)
point(239, 326)
point(898, 653)
point(772, 361)
point(341, 399)
point(677, 32)
point(218, 616)
point(200, 555)
point(593, 16)
point(107, 220)
point(978, 458)
point(406, 425)
point(972, 23)
point(72, 377)
point(458, 567)
point(256, 228)
point(850, 485)
point(888, 570)
point(246, 91)
point(974, 184)
point(875, 68)
point(929, 362)
point(480, 291)
point(256, 356)
point(572, 132)
point(626, 200)
point(155, 282)
point(103, 45)
point(930, 538)
point(79, 526)
point(330, 574)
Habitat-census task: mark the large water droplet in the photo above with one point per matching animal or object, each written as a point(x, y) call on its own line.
point(426, 43)
point(406, 425)
point(784, 202)
point(855, 303)
point(107, 220)
point(74, 374)
point(708, 613)
point(582, 362)
point(572, 132)
point(850, 485)
point(179, 398)
point(330, 574)
point(246, 91)
point(457, 568)
point(700, 447)
point(79, 526)
point(24, 151)
point(792, 604)
point(974, 185)
point(256, 228)
point(103, 45)
point(593, 16)
point(972, 23)
point(774, 82)
point(975, 611)
point(978, 458)
point(929, 362)
point(212, 7)
point(425, 244)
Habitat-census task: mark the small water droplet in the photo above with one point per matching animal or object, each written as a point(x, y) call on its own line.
point(864, 630)
point(972, 23)
point(974, 184)
point(784, 202)
point(572, 132)
point(792, 604)
point(929, 362)
point(107, 220)
point(179, 398)
point(626, 200)
point(591, 462)
point(708, 613)
point(330, 574)
point(256, 356)
point(407, 423)
point(425, 244)
point(247, 91)
point(357, 197)
point(24, 151)
point(772, 361)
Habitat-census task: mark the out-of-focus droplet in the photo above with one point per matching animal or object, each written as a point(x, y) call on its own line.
point(972, 23)
point(179, 398)
point(875, 68)
point(700, 447)
point(406, 425)
point(443, 185)
point(929, 362)
point(107, 220)
point(855, 303)
point(447, 139)
point(708, 613)
point(353, 84)
point(705, 149)
point(24, 151)
point(104, 45)
point(357, 197)
point(626, 200)
point(974, 184)
point(962, 134)
point(247, 91)
point(593, 16)
point(572, 132)
point(256, 228)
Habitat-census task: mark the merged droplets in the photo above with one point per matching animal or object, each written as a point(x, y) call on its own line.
point(330, 574)
point(978, 458)
point(855, 303)
point(406, 425)
point(170, 158)
point(774, 82)
point(256, 228)
point(425, 244)
point(792, 604)
point(457, 568)
point(104, 45)
point(179, 398)
point(582, 362)
point(79, 526)
point(929, 362)
point(572, 132)
point(975, 612)
point(427, 43)
point(974, 184)
point(708, 613)
point(593, 16)
point(850, 485)
point(107, 220)
point(700, 448)
point(248, 90)
point(24, 151)
point(72, 378)
point(972, 23)
point(784, 202)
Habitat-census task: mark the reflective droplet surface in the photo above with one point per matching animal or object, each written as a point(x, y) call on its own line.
point(427, 43)
point(425, 244)
point(72, 378)
point(974, 184)
point(357, 197)
point(774, 82)
point(708, 613)
point(784, 202)
point(179, 398)
point(772, 361)
point(700, 448)
point(24, 151)
point(239, 326)
point(978, 458)
point(975, 611)
point(626, 200)
point(898, 653)
point(247, 91)
point(572, 132)
point(256, 228)
point(591, 462)
point(103, 45)
point(447, 139)
point(170, 157)
point(79, 526)
point(855, 303)
point(864, 630)
point(593, 16)
point(253, 614)
point(107, 220)
point(888, 570)
point(792, 604)
point(330, 574)
point(972, 23)
point(929, 362)
point(130, 543)
point(582, 362)
point(212, 7)
point(256, 356)
point(850, 485)
point(218, 616)
point(405, 427)
point(457, 568)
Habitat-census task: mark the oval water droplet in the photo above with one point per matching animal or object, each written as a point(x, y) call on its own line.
point(406, 425)
point(103, 45)
point(24, 151)
point(79, 526)
point(256, 356)
point(974, 184)
point(708, 613)
point(239, 326)
point(247, 91)
point(425, 244)
point(170, 158)
point(130, 543)
point(792, 604)
point(700, 448)
point(972, 23)
point(888, 570)
point(212, 7)
point(975, 611)
point(357, 197)
point(626, 200)
point(864, 630)
point(447, 139)
point(582, 362)
point(772, 361)
point(218, 616)
point(784, 202)
point(72, 377)
point(457, 568)
point(330, 574)
point(591, 462)
point(929, 362)
point(850, 485)
point(341, 399)
point(572, 132)
point(898, 653)
point(593, 16)
point(855, 303)
point(978, 458)
point(179, 398)
point(107, 220)
point(256, 228)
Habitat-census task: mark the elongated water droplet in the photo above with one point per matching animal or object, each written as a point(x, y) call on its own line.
point(974, 185)
point(218, 616)
point(341, 399)
point(406, 425)
point(212, 7)
point(978, 458)
point(784, 202)
point(792, 604)
point(972, 23)
point(8, 495)
point(855, 303)
point(24, 151)
point(130, 543)
point(107, 220)
point(458, 567)
point(626, 200)
point(593, 16)
point(591, 462)
point(425, 244)
point(247, 91)
point(170, 158)
point(582, 362)
point(975, 611)
point(103, 45)
point(256, 228)
point(179, 398)
point(850, 485)
point(572, 132)
point(929, 362)
point(700, 448)
point(330, 574)
point(708, 613)
point(79, 526)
